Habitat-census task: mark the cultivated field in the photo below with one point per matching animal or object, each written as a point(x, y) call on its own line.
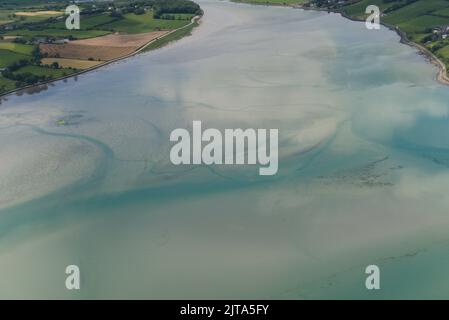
point(121, 40)
point(74, 51)
point(16, 47)
point(71, 63)
point(38, 13)
point(8, 57)
point(100, 48)
point(43, 71)
point(132, 23)
point(57, 33)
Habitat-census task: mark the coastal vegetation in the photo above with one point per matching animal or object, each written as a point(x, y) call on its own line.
point(178, 34)
point(36, 46)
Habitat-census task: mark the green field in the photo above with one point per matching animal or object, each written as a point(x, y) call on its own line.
point(43, 71)
point(182, 16)
point(27, 19)
point(8, 57)
point(6, 84)
point(7, 16)
point(87, 22)
point(132, 23)
point(417, 14)
point(421, 23)
point(358, 9)
point(16, 47)
point(442, 12)
point(59, 33)
point(416, 9)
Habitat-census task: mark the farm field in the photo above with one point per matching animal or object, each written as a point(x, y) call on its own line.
point(122, 40)
point(38, 13)
point(36, 46)
point(21, 17)
point(16, 47)
point(421, 24)
point(88, 22)
point(44, 71)
point(5, 21)
point(132, 23)
point(84, 52)
point(71, 63)
point(442, 12)
point(358, 9)
point(6, 84)
point(444, 52)
point(6, 16)
point(8, 57)
point(57, 33)
point(101, 48)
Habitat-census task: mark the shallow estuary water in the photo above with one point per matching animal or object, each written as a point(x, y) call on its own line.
point(363, 168)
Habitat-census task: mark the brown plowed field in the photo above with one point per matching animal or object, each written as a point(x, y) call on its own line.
point(100, 48)
point(74, 51)
point(121, 40)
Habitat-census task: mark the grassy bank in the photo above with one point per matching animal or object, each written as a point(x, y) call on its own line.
point(159, 43)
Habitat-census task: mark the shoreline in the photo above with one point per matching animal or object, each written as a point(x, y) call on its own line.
point(441, 76)
point(75, 74)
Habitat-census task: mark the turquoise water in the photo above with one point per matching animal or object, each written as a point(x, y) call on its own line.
point(363, 168)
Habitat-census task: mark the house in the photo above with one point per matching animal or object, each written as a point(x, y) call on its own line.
point(60, 41)
point(440, 32)
point(39, 40)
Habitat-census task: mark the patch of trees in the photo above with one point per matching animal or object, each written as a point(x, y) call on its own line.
point(437, 47)
point(21, 79)
point(330, 4)
point(27, 78)
point(175, 6)
point(116, 13)
point(167, 16)
point(54, 65)
point(20, 40)
point(36, 54)
point(14, 67)
point(427, 38)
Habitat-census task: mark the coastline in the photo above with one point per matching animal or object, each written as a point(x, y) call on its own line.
point(195, 19)
point(441, 76)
